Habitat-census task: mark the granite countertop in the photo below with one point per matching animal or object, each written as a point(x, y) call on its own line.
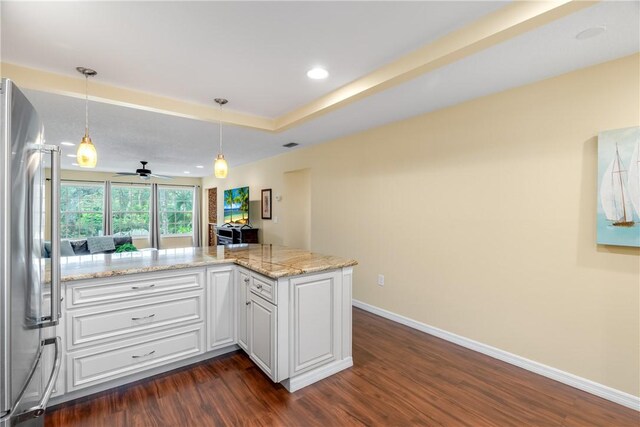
point(269, 260)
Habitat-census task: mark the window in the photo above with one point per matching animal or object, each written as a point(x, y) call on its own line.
point(130, 210)
point(175, 208)
point(81, 210)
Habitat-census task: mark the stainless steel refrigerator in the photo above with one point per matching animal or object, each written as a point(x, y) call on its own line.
point(25, 387)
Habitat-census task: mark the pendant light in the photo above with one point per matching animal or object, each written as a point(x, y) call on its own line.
point(86, 156)
point(220, 167)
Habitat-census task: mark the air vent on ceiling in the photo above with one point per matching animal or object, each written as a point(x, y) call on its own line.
point(291, 145)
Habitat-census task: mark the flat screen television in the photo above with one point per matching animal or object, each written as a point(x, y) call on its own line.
point(236, 206)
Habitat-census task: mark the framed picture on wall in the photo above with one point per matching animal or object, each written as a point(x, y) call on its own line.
point(265, 203)
point(618, 192)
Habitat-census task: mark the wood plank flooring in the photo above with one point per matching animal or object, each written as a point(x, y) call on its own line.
point(401, 377)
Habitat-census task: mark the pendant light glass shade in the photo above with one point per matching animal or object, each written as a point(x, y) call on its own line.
point(220, 167)
point(87, 157)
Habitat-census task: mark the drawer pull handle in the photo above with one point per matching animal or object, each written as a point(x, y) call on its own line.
point(143, 287)
point(259, 287)
point(144, 355)
point(248, 303)
point(246, 280)
point(144, 317)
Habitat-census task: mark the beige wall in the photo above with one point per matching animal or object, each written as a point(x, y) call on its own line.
point(296, 209)
point(166, 243)
point(482, 219)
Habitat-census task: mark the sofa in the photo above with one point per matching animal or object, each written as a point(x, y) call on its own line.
point(80, 247)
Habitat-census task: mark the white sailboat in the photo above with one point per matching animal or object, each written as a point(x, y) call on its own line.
point(633, 178)
point(616, 202)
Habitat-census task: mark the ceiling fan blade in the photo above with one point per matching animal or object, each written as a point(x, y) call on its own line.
point(125, 174)
point(161, 176)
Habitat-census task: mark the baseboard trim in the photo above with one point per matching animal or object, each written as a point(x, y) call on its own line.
point(600, 390)
point(308, 378)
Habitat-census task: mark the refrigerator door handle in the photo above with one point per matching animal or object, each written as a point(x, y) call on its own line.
point(56, 302)
point(39, 409)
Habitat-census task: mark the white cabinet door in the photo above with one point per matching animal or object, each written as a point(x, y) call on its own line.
point(315, 335)
point(220, 307)
point(262, 335)
point(242, 286)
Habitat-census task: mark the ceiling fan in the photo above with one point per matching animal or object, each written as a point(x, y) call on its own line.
point(143, 173)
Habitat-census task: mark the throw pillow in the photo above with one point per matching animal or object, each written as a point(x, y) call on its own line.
point(80, 247)
point(100, 244)
point(66, 249)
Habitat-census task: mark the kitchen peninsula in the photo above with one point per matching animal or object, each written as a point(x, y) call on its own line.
point(133, 315)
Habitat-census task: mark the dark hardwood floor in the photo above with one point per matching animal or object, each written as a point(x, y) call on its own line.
point(401, 377)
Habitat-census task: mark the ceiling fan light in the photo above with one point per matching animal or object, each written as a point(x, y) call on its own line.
point(220, 167)
point(86, 156)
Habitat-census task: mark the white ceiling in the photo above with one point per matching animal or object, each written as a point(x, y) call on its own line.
point(172, 144)
point(256, 54)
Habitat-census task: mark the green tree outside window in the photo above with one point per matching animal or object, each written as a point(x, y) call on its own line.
point(175, 207)
point(81, 210)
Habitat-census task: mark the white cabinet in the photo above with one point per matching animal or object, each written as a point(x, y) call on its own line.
point(263, 335)
point(119, 327)
point(243, 303)
point(260, 332)
point(220, 307)
point(315, 305)
point(297, 330)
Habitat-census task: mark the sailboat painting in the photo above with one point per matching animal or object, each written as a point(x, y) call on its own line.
point(618, 213)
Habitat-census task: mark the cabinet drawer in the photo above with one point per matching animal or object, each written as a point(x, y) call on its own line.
point(116, 321)
point(97, 365)
point(264, 287)
point(123, 288)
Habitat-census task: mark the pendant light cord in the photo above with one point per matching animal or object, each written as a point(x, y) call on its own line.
point(220, 128)
point(86, 105)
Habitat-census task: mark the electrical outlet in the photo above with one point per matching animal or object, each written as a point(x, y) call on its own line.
point(380, 279)
point(275, 219)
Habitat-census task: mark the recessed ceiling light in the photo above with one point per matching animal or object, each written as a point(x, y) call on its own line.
point(317, 73)
point(70, 144)
point(591, 32)
point(74, 164)
point(73, 156)
point(187, 172)
point(200, 167)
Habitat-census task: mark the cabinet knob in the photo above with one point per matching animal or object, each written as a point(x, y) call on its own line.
point(259, 286)
point(246, 280)
point(248, 303)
